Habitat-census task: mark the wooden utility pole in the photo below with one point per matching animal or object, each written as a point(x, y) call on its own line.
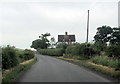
point(87, 27)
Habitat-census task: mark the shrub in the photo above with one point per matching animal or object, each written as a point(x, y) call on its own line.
point(80, 50)
point(62, 45)
point(9, 58)
point(96, 49)
point(52, 52)
point(15, 73)
point(69, 50)
point(77, 49)
point(23, 55)
point(89, 52)
point(99, 46)
point(28, 54)
point(113, 51)
point(20, 55)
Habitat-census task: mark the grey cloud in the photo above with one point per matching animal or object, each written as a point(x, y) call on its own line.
point(24, 22)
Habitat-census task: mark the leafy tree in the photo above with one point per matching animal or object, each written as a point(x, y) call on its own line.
point(52, 42)
point(115, 36)
point(103, 34)
point(107, 34)
point(112, 36)
point(44, 37)
point(42, 42)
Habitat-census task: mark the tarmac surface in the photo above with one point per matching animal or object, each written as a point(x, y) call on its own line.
point(49, 69)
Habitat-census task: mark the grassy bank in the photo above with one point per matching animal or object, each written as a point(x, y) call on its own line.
point(111, 72)
point(12, 74)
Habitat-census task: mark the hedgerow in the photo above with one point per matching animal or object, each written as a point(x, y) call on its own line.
point(28, 54)
point(80, 50)
point(9, 58)
point(20, 55)
point(52, 52)
point(16, 72)
point(12, 56)
point(113, 51)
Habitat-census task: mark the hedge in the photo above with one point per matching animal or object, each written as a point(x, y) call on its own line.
point(80, 50)
point(12, 56)
point(62, 45)
point(9, 58)
point(20, 55)
point(51, 52)
point(28, 54)
point(113, 51)
point(13, 74)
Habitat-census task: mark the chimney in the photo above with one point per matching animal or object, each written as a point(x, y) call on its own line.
point(66, 33)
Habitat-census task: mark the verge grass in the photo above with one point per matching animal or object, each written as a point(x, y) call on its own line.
point(105, 61)
point(12, 74)
point(94, 67)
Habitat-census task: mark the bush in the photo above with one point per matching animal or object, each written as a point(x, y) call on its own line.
point(28, 54)
point(80, 50)
point(15, 73)
point(113, 51)
point(12, 56)
point(75, 49)
point(23, 55)
point(99, 46)
point(9, 58)
point(69, 50)
point(62, 45)
point(20, 55)
point(52, 52)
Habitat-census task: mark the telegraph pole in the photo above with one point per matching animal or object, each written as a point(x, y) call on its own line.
point(87, 27)
point(87, 47)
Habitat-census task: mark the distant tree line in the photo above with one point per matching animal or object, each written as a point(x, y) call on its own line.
point(106, 40)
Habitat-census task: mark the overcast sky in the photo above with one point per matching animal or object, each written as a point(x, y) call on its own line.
point(22, 21)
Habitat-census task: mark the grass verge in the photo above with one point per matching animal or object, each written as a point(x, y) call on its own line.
point(95, 67)
point(12, 74)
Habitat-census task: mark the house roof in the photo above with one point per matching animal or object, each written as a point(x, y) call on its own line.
point(66, 38)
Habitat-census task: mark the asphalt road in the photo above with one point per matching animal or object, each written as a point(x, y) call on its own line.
point(48, 69)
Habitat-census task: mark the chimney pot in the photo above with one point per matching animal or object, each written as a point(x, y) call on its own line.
point(66, 33)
